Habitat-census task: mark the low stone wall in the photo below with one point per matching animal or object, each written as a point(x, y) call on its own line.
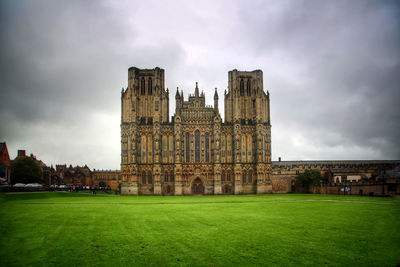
point(129, 189)
point(361, 189)
point(365, 190)
point(281, 184)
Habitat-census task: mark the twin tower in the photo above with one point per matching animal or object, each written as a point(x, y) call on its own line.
point(196, 152)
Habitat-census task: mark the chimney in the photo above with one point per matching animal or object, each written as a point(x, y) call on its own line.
point(279, 159)
point(21, 153)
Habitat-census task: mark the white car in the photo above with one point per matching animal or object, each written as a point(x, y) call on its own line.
point(36, 185)
point(19, 185)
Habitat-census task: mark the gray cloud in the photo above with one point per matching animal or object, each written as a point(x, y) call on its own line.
point(331, 67)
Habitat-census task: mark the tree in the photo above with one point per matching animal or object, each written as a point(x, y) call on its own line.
point(309, 177)
point(26, 170)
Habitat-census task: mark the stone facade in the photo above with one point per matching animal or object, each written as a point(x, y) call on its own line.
point(196, 152)
point(380, 177)
point(111, 178)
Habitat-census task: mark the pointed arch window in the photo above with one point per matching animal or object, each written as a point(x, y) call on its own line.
point(187, 148)
point(197, 146)
point(150, 86)
point(172, 177)
point(250, 178)
point(143, 178)
point(241, 87)
point(207, 147)
point(248, 87)
point(244, 178)
point(149, 178)
point(142, 87)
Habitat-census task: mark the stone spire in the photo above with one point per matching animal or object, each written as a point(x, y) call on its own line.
point(216, 100)
point(196, 91)
point(177, 99)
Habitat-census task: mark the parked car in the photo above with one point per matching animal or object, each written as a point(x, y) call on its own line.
point(35, 185)
point(19, 185)
point(3, 182)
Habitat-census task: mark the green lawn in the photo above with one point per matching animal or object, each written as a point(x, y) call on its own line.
point(64, 229)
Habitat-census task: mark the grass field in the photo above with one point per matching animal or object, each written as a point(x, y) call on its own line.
point(64, 229)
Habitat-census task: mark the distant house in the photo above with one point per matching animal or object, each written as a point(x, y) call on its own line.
point(4, 162)
point(74, 175)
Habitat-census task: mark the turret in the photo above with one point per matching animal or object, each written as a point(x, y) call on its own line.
point(246, 101)
point(177, 99)
point(196, 91)
point(216, 100)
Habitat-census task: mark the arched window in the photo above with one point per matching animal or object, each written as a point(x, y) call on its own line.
point(143, 178)
point(187, 148)
point(142, 87)
point(223, 177)
point(149, 178)
point(241, 87)
point(166, 177)
point(207, 147)
point(172, 177)
point(150, 87)
point(248, 87)
point(228, 177)
point(197, 146)
point(244, 178)
point(250, 178)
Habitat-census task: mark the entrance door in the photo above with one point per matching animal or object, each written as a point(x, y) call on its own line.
point(197, 187)
point(227, 190)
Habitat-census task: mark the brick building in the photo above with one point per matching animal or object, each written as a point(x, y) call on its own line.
point(74, 175)
point(358, 177)
point(5, 163)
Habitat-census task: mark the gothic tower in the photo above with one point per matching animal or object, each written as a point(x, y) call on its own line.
point(195, 152)
point(145, 104)
point(247, 109)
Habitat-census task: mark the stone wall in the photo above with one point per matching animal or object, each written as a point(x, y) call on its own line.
point(110, 177)
point(281, 184)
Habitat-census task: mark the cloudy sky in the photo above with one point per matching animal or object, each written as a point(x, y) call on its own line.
point(332, 69)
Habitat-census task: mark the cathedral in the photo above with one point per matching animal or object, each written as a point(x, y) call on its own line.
point(196, 152)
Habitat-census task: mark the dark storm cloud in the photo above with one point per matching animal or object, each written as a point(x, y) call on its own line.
point(332, 68)
point(61, 64)
point(348, 86)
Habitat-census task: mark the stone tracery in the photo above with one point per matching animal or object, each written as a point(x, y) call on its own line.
point(159, 156)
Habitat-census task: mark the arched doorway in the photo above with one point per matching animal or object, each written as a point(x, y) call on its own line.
point(227, 190)
point(197, 187)
point(168, 190)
